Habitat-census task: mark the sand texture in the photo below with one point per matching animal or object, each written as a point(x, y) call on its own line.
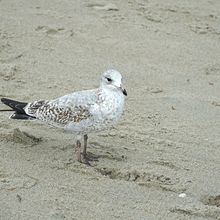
point(162, 161)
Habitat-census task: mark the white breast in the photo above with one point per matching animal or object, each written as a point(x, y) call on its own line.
point(112, 107)
point(105, 113)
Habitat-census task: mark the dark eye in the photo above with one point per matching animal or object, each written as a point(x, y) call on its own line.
point(109, 79)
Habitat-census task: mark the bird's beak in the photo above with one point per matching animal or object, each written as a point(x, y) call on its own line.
point(123, 91)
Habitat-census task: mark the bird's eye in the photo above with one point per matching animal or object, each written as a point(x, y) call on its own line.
point(109, 79)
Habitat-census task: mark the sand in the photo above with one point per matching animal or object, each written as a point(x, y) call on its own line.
point(162, 161)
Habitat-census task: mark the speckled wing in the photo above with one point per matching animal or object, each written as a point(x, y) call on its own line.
point(60, 112)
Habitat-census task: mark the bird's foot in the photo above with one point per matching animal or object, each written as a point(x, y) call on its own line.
point(90, 157)
point(82, 159)
point(85, 161)
point(87, 158)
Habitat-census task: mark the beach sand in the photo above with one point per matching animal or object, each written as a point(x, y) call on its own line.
point(162, 161)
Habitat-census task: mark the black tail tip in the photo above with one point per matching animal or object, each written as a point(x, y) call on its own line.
point(21, 116)
point(3, 100)
point(6, 101)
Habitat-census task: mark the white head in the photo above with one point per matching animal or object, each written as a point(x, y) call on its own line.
point(111, 79)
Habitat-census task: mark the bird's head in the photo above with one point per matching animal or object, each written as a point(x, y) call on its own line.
point(112, 80)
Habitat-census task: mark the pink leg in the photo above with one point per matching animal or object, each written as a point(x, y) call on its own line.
point(85, 145)
point(78, 151)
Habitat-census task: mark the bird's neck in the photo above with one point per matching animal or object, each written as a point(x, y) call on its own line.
point(110, 95)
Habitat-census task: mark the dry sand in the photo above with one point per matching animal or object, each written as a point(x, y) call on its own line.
point(163, 159)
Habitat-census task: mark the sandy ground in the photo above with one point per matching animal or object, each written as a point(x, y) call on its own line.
point(163, 159)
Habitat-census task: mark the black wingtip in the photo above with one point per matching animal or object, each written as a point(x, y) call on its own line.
point(15, 105)
point(3, 100)
point(21, 116)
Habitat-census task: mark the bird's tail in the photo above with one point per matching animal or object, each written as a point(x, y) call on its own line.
point(17, 107)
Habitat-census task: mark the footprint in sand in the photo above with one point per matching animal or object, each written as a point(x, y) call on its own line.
point(11, 183)
point(211, 200)
point(104, 7)
point(54, 31)
point(8, 72)
point(213, 70)
point(160, 181)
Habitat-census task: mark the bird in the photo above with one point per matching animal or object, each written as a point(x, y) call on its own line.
point(81, 112)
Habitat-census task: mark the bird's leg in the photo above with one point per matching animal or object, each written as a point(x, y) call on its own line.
point(85, 145)
point(84, 153)
point(81, 158)
point(78, 151)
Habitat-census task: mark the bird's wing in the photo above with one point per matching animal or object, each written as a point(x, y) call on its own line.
point(74, 107)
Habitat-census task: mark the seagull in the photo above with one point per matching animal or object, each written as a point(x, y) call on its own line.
point(80, 112)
